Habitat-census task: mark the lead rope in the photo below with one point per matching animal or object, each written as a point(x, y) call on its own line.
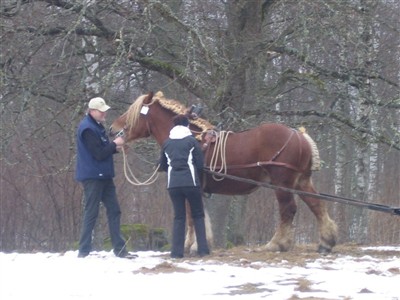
point(219, 150)
point(134, 180)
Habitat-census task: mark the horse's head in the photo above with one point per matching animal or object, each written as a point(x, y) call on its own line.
point(152, 115)
point(133, 123)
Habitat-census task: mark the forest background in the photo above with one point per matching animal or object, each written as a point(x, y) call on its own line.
point(332, 66)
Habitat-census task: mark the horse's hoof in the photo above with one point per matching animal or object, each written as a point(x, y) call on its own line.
point(271, 248)
point(259, 249)
point(275, 248)
point(324, 250)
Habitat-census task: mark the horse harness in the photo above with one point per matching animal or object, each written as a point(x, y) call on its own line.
point(212, 136)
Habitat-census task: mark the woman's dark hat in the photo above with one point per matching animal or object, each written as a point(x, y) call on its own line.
point(181, 120)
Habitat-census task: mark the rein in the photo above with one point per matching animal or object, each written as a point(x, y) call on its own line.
point(134, 180)
point(322, 196)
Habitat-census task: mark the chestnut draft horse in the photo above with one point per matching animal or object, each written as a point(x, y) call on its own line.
point(269, 152)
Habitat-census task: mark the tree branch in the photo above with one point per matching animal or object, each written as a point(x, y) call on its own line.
point(377, 136)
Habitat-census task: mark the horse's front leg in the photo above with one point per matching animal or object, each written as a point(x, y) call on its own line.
point(190, 240)
point(283, 237)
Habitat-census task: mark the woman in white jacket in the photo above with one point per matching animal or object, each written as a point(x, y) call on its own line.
point(182, 158)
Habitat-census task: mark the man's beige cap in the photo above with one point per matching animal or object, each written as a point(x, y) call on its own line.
point(99, 104)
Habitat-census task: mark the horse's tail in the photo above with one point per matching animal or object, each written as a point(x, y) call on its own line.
point(315, 159)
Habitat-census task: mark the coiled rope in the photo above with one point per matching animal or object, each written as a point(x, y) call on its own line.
point(219, 151)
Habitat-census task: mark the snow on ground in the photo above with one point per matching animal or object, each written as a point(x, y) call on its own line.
point(153, 275)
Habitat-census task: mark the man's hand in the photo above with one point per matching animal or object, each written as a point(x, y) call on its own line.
point(119, 141)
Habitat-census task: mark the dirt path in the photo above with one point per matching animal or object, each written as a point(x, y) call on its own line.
point(298, 256)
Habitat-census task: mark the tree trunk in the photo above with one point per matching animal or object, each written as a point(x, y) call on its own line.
point(364, 114)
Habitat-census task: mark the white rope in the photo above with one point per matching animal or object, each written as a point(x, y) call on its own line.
point(134, 180)
point(219, 152)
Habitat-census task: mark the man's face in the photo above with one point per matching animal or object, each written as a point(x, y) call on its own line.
point(98, 115)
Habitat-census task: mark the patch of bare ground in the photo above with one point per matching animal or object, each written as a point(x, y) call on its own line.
point(295, 297)
point(303, 285)
point(164, 267)
point(245, 289)
point(395, 271)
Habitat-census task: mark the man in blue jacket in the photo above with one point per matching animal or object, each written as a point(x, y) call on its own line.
point(95, 170)
point(183, 160)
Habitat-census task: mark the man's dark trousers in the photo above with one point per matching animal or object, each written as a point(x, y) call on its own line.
point(96, 191)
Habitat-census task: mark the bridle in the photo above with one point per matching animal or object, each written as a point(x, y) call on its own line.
point(121, 133)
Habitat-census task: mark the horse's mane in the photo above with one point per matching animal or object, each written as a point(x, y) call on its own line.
point(133, 112)
point(175, 106)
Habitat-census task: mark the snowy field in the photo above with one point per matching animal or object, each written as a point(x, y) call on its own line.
point(239, 273)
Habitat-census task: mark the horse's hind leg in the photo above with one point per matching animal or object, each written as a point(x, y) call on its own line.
point(190, 239)
point(283, 237)
point(327, 228)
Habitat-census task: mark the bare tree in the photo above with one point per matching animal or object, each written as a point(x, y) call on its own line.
point(329, 65)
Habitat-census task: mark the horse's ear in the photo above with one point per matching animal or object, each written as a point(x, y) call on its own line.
point(194, 112)
point(148, 98)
